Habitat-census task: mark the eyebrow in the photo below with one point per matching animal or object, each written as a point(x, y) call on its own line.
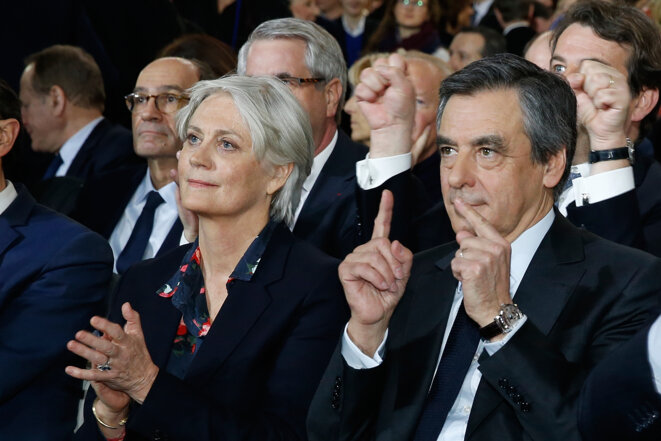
point(495, 141)
point(165, 88)
point(598, 60)
point(217, 131)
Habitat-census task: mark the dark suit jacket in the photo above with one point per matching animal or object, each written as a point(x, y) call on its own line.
point(260, 364)
point(619, 400)
point(632, 218)
point(107, 148)
point(582, 295)
point(53, 278)
point(329, 218)
point(517, 38)
point(105, 197)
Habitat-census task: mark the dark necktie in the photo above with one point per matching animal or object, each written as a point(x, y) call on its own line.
point(52, 168)
point(135, 247)
point(456, 359)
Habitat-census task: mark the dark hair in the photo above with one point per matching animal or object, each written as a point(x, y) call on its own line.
point(450, 10)
point(388, 24)
point(72, 69)
point(218, 56)
point(512, 9)
point(631, 29)
point(548, 104)
point(494, 42)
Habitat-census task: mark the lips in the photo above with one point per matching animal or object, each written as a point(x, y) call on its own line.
point(198, 183)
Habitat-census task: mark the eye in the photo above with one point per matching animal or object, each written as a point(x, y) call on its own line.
point(420, 101)
point(140, 99)
point(192, 139)
point(558, 68)
point(447, 151)
point(171, 98)
point(486, 152)
point(226, 145)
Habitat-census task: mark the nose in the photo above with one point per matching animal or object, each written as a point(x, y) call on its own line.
point(460, 170)
point(148, 111)
point(200, 155)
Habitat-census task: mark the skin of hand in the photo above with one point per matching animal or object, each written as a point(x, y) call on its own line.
point(132, 370)
point(188, 219)
point(387, 99)
point(482, 265)
point(374, 278)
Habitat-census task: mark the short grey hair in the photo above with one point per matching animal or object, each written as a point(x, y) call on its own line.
point(548, 104)
point(279, 129)
point(323, 55)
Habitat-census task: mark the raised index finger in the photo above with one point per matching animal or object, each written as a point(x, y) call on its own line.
point(481, 226)
point(384, 218)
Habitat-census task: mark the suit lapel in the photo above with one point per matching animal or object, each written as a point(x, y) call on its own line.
point(84, 155)
point(244, 305)
point(16, 214)
point(549, 281)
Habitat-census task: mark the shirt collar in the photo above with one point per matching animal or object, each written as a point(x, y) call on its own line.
point(481, 9)
point(7, 196)
point(515, 25)
point(167, 192)
point(354, 32)
point(524, 248)
point(72, 146)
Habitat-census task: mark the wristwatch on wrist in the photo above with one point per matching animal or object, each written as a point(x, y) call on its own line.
point(625, 152)
point(503, 323)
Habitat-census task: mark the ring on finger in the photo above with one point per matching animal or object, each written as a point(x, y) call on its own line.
point(611, 82)
point(461, 254)
point(105, 366)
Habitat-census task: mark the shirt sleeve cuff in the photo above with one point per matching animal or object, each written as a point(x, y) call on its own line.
point(494, 346)
point(602, 186)
point(355, 358)
point(653, 344)
point(372, 173)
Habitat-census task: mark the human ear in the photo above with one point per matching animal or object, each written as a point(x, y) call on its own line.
point(9, 129)
point(333, 91)
point(278, 178)
point(555, 168)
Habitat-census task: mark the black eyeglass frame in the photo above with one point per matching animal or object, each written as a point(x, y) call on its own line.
point(299, 81)
point(130, 104)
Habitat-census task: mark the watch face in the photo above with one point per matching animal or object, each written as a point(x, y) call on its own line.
point(510, 314)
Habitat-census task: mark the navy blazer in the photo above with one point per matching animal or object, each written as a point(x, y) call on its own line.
point(583, 296)
point(105, 197)
point(619, 400)
point(54, 276)
point(632, 218)
point(329, 217)
point(108, 147)
point(261, 361)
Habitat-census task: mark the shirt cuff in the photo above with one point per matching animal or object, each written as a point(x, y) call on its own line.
point(494, 346)
point(602, 186)
point(355, 358)
point(371, 173)
point(653, 344)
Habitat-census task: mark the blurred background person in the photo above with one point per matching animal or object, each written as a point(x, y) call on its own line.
point(238, 338)
point(408, 24)
point(360, 129)
point(514, 16)
point(218, 56)
point(455, 15)
point(538, 50)
point(471, 44)
point(356, 27)
point(330, 9)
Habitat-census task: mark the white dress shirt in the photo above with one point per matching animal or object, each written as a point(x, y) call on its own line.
point(165, 216)
point(654, 351)
point(481, 10)
point(7, 196)
point(72, 146)
point(595, 188)
point(454, 429)
point(360, 28)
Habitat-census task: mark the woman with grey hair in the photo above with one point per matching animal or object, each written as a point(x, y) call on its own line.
point(234, 343)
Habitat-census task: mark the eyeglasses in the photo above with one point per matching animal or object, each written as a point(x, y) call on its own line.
point(164, 102)
point(298, 82)
point(418, 3)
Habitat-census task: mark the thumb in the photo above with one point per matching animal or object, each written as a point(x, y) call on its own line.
point(132, 317)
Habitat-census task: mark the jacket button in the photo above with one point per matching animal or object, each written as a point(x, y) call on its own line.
point(525, 407)
point(503, 383)
point(517, 398)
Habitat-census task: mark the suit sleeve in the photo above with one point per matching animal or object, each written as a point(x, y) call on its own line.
point(619, 400)
point(541, 384)
point(36, 325)
point(178, 411)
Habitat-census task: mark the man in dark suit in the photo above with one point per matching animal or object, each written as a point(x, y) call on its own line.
point(621, 398)
point(310, 61)
point(515, 16)
point(63, 97)
point(489, 336)
point(135, 208)
point(53, 278)
point(611, 55)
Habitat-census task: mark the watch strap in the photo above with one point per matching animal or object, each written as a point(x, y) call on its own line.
point(490, 331)
point(609, 155)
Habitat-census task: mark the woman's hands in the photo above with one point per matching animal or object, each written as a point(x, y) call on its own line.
point(121, 364)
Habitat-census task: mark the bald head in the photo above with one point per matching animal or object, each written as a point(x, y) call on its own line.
point(539, 50)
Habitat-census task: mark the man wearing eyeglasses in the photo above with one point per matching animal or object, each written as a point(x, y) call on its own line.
point(62, 102)
point(135, 208)
point(309, 60)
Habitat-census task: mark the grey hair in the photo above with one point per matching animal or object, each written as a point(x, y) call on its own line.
point(279, 129)
point(547, 103)
point(323, 55)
